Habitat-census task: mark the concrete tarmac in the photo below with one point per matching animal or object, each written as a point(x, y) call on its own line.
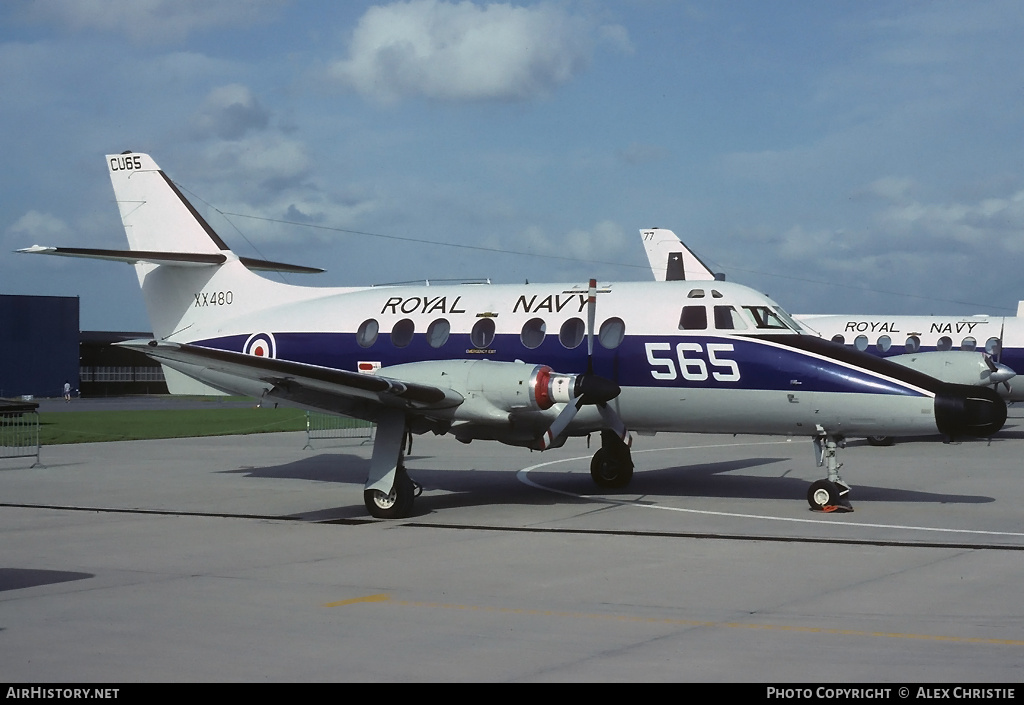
point(249, 558)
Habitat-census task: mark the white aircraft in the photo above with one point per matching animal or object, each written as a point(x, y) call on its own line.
point(514, 363)
point(945, 347)
point(931, 343)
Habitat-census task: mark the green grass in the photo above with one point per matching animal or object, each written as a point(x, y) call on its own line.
point(96, 426)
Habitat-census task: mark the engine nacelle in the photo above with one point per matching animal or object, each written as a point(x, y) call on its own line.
point(491, 390)
point(954, 366)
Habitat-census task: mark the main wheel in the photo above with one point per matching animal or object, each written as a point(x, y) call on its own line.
point(822, 493)
point(608, 471)
point(881, 440)
point(396, 504)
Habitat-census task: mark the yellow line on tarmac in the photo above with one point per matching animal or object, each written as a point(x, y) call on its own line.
point(680, 622)
point(382, 597)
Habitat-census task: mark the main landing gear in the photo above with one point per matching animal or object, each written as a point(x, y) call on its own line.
point(611, 466)
point(831, 494)
point(389, 492)
point(396, 504)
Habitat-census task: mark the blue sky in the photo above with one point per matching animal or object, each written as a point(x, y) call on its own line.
point(842, 157)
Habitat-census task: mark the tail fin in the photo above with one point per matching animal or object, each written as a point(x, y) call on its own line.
point(180, 260)
point(156, 216)
point(670, 259)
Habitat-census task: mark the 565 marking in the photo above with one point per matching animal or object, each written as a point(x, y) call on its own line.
point(691, 362)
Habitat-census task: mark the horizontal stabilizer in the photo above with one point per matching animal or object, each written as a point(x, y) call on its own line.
point(173, 259)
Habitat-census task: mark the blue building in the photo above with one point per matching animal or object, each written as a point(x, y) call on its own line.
point(38, 345)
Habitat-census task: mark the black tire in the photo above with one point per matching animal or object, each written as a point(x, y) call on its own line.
point(822, 493)
point(395, 505)
point(881, 440)
point(610, 472)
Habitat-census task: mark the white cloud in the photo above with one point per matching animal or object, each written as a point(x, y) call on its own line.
point(229, 112)
point(462, 51)
point(151, 20)
point(989, 223)
point(891, 188)
point(43, 227)
point(601, 242)
point(265, 158)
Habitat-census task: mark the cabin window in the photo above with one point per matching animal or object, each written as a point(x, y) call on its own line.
point(570, 335)
point(695, 294)
point(437, 332)
point(993, 346)
point(716, 294)
point(861, 342)
point(482, 334)
point(839, 338)
point(611, 334)
point(366, 335)
point(533, 333)
point(694, 318)
point(884, 343)
point(913, 344)
point(728, 318)
point(969, 343)
point(401, 334)
point(944, 343)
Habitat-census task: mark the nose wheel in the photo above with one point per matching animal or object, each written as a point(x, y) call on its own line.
point(823, 494)
point(832, 494)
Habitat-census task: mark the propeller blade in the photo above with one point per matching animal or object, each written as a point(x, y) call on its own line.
point(614, 423)
point(588, 388)
point(999, 373)
point(591, 317)
point(991, 364)
point(560, 423)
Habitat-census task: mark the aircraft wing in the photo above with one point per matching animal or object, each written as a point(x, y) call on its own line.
point(332, 390)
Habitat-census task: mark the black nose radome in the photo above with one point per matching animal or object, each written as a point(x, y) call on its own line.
point(962, 410)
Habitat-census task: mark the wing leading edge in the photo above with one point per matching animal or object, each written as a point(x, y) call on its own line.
point(332, 390)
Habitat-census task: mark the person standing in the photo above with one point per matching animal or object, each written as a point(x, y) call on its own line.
point(67, 392)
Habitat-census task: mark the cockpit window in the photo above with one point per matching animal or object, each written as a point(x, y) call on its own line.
point(765, 318)
point(789, 320)
point(694, 318)
point(728, 318)
point(695, 294)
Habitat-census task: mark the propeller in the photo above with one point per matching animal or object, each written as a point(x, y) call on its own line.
point(998, 372)
point(587, 388)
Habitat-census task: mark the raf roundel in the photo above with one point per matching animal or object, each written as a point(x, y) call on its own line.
point(261, 345)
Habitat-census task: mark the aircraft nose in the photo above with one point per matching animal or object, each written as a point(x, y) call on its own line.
point(964, 410)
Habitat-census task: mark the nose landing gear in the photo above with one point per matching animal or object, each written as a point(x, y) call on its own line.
point(831, 494)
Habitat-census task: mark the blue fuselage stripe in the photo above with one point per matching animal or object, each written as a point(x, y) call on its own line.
point(640, 361)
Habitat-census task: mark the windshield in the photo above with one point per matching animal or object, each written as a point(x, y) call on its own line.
point(765, 318)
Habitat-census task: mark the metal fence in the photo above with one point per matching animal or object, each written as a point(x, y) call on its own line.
point(19, 435)
point(330, 426)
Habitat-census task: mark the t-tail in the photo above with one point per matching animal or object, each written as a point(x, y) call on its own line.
point(186, 271)
point(670, 259)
